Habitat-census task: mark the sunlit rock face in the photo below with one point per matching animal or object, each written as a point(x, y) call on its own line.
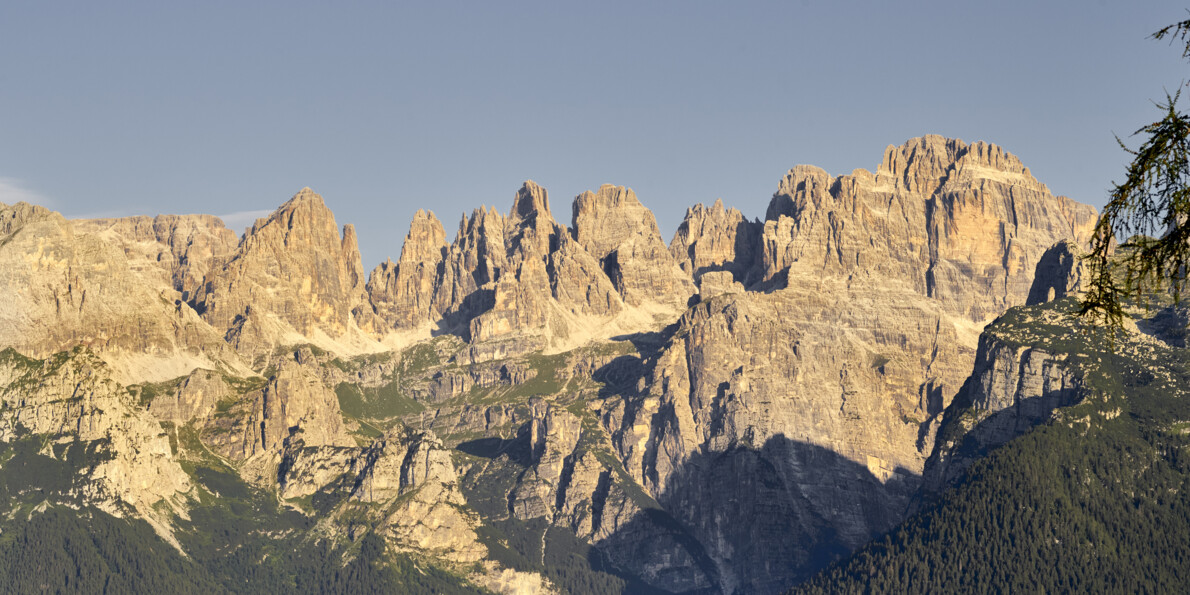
point(66, 283)
point(291, 273)
point(727, 413)
point(713, 239)
point(615, 228)
point(402, 294)
point(814, 397)
point(525, 277)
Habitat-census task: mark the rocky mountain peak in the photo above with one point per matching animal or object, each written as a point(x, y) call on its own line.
point(603, 220)
point(66, 285)
point(920, 163)
point(294, 267)
point(621, 233)
point(994, 156)
point(350, 261)
point(956, 222)
point(530, 200)
point(305, 195)
point(402, 296)
point(981, 162)
point(306, 211)
point(15, 216)
point(526, 275)
point(478, 251)
point(530, 228)
point(805, 180)
point(609, 195)
point(425, 239)
point(715, 239)
point(176, 250)
point(484, 222)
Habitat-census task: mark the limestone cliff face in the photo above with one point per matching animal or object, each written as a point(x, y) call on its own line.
point(523, 275)
point(1012, 389)
point(621, 233)
point(570, 486)
point(72, 396)
point(521, 297)
point(1059, 273)
point(874, 286)
point(963, 224)
point(402, 294)
point(292, 270)
point(293, 402)
point(553, 434)
point(179, 249)
point(410, 479)
point(62, 287)
point(530, 229)
point(476, 258)
point(578, 283)
point(712, 239)
point(196, 397)
point(1041, 365)
point(991, 223)
point(789, 408)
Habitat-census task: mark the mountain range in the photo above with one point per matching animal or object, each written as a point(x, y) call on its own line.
point(536, 406)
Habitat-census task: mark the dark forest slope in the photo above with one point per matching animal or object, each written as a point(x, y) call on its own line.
point(1097, 498)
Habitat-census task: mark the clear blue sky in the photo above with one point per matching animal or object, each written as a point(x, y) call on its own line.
point(116, 108)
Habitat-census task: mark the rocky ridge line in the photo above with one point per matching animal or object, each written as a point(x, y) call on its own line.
point(830, 336)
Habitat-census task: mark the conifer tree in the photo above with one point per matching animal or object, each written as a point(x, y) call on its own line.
point(1152, 207)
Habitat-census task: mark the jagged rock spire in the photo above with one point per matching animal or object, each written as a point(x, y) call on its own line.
point(716, 239)
point(402, 295)
point(615, 228)
point(530, 226)
point(293, 265)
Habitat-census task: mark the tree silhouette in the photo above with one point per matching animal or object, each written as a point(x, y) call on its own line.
point(1151, 207)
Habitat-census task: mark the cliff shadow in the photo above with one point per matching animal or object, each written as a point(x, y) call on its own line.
point(619, 376)
point(659, 553)
point(745, 267)
point(761, 520)
point(778, 282)
point(457, 321)
point(517, 449)
point(649, 343)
